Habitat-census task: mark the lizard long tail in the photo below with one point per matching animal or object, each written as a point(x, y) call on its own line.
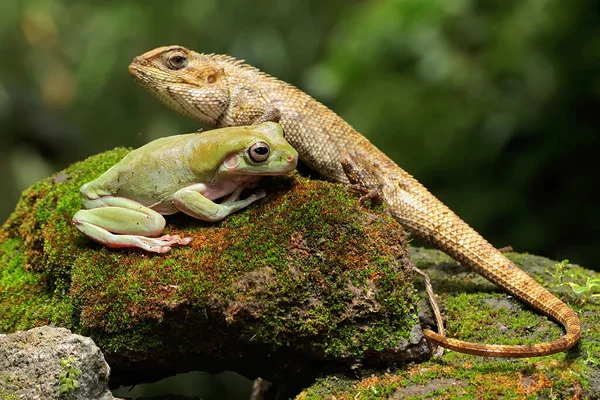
point(429, 219)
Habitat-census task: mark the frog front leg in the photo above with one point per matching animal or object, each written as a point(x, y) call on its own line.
point(193, 201)
point(119, 222)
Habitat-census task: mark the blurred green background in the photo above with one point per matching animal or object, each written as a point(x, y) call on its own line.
point(492, 104)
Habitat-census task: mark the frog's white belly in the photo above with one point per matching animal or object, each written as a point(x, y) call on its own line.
point(210, 190)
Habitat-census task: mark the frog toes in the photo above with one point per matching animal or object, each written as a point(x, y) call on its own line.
point(175, 239)
point(260, 194)
point(163, 244)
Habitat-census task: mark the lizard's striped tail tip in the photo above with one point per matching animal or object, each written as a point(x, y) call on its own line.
point(493, 350)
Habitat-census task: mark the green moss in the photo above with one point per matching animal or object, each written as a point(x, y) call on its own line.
point(307, 268)
point(478, 311)
point(38, 246)
point(5, 394)
point(25, 299)
point(286, 272)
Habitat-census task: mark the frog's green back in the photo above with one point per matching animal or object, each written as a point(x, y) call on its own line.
point(152, 173)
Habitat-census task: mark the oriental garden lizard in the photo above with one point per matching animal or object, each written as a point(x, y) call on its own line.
point(221, 91)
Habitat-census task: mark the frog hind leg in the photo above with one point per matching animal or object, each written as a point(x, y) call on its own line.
point(118, 222)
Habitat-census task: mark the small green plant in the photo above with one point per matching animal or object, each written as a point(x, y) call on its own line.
point(592, 360)
point(586, 291)
point(560, 271)
point(68, 374)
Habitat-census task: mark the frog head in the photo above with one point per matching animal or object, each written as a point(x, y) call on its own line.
point(263, 150)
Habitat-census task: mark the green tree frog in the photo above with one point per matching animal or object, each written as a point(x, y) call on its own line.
point(125, 206)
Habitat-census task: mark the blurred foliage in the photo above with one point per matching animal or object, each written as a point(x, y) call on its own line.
point(492, 104)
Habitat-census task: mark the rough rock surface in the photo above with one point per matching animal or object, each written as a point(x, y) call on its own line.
point(305, 281)
point(31, 367)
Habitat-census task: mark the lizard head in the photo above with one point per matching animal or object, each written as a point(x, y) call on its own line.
point(187, 82)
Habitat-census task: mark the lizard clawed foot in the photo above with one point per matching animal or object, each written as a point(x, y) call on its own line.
point(372, 195)
point(360, 182)
point(162, 244)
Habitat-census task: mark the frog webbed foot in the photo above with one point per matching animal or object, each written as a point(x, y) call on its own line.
point(161, 244)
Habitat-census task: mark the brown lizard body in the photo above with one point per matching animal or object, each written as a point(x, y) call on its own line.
point(221, 91)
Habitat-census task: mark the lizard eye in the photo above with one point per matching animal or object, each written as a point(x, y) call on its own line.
point(177, 60)
point(259, 152)
point(212, 78)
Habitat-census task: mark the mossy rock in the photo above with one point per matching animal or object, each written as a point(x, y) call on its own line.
point(304, 280)
point(480, 312)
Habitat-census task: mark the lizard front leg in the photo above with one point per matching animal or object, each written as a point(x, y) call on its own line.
point(270, 114)
point(250, 107)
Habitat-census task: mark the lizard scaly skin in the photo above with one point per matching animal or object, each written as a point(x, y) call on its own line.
point(221, 91)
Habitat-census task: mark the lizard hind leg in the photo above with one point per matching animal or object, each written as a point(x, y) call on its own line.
point(118, 222)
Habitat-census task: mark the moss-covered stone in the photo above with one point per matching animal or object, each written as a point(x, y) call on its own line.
point(304, 276)
point(478, 311)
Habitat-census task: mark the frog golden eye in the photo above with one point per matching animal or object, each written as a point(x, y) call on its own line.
point(259, 152)
point(177, 60)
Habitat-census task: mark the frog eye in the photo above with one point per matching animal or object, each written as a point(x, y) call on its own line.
point(259, 152)
point(177, 60)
